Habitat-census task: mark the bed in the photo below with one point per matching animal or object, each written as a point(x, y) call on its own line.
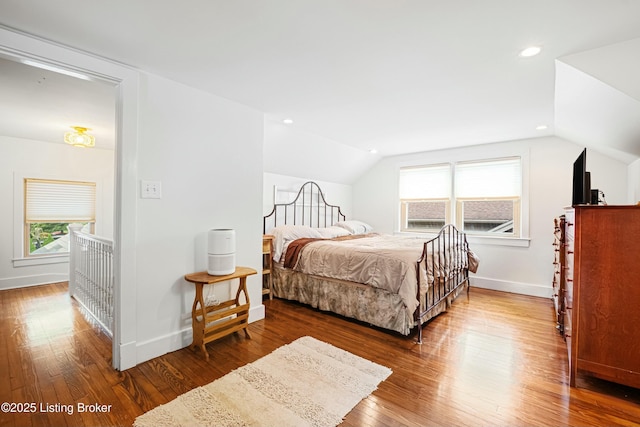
point(343, 266)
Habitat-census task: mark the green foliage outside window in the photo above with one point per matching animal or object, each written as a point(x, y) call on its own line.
point(41, 234)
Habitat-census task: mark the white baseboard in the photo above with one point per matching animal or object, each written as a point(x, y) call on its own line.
point(127, 356)
point(256, 313)
point(513, 287)
point(35, 280)
point(156, 347)
point(164, 344)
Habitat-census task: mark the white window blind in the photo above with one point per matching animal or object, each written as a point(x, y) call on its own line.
point(494, 178)
point(425, 182)
point(59, 201)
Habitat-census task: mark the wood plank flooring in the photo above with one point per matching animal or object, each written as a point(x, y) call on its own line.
point(493, 359)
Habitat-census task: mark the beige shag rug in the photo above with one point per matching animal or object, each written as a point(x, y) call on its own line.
point(305, 383)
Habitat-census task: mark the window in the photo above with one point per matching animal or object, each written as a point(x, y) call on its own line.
point(425, 194)
point(488, 197)
point(483, 197)
point(50, 206)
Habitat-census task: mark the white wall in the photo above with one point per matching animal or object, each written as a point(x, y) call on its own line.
point(207, 154)
point(291, 152)
point(634, 183)
point(523, 268)
point(22, 158)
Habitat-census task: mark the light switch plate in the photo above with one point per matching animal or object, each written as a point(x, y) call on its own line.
point(150, 190)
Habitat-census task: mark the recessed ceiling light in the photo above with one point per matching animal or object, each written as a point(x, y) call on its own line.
point(373, 151)
point(287, 121)
point(530, 51)
point(541, 127)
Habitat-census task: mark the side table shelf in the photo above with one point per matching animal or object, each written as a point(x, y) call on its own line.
point(230, 316)
point(267, 264)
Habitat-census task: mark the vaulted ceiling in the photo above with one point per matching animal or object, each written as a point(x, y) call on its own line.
point(397, 76)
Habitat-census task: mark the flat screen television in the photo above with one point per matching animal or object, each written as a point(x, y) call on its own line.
point(581, 181)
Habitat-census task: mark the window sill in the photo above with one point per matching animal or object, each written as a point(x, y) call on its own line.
point(41, 260)
point(521, 242)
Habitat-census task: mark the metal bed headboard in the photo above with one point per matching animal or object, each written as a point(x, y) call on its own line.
point(308, 208)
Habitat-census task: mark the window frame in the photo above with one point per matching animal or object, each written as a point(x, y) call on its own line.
point(403, 214)
point(441, 169)
point(521, 214)
point(22, 250)
point(517, 215)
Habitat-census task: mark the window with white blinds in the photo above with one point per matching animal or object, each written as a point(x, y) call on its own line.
point(425, 192)
point(425, 182)
point(492, 178)
point(483, 197)
point(59, 201)
point(49, 207)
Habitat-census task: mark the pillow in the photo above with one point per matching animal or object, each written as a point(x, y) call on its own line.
point(355, 227)
point(284, 234)
point(333, 231)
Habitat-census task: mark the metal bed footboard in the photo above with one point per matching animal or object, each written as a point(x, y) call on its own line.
point(445, 261)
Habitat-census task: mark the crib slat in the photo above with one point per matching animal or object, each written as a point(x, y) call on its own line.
point(91, 276)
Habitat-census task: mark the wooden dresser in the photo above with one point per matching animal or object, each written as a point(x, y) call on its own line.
point(602, 296)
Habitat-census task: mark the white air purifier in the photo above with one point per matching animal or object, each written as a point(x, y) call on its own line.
point(221, 251)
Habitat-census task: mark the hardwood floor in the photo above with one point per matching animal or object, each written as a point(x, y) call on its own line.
point(494, 359)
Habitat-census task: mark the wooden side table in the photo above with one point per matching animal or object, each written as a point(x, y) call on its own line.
point(267, 264)
point(222, 314)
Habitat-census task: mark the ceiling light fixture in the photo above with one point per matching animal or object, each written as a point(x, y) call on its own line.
point(373, 151)
point(541, 127)
point(287, 121)
point(530, 51)
point(79, 138)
